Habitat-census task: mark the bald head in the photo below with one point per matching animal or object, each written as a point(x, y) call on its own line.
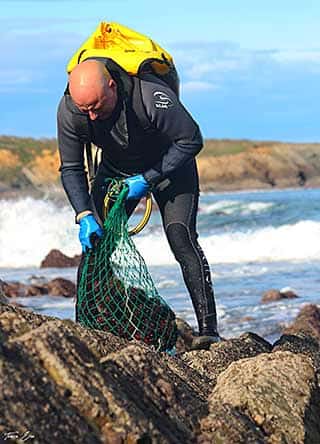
point(92, 89)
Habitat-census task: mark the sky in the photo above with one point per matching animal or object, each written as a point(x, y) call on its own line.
point(248, 69)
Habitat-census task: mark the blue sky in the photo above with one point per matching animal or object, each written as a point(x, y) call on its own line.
point(248, 69)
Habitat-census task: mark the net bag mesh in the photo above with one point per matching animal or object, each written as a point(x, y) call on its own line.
point(116, 292)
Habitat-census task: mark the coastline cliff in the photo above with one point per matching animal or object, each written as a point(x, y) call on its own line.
point(31, 165)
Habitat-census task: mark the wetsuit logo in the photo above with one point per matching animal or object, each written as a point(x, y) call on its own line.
point(162, 100)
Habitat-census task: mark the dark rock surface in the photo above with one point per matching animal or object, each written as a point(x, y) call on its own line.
point(67, 384)
point(61, 287)
point(307, 321)
point(56, 259)
point(214, 361)
point(306, 345)
point(55, 287)
point(276, 295)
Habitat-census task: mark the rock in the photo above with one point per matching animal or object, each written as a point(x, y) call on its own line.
point(61, 287)
point(17, 289)
point(307, 322)
point(55, 287)
point(307, 345)
point(246, 318)
point(131, 394)
point(30, 400)
point(288, 293)
point(158, 385)
point(67, 383)
point(276, 295)
point(13, 289)
point(200, 383)
point(35, 290)
point(214, 361)
point(273, 396)
point(185, 335)
point(56, 259)
point(15, 321)
point(228, 425)
point(3, 297)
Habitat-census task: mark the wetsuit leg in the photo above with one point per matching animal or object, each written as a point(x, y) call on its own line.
point(177, 198)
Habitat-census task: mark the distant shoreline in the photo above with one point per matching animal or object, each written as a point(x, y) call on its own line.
point(31, 167)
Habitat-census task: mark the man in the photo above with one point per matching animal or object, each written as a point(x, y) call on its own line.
point(159, 157)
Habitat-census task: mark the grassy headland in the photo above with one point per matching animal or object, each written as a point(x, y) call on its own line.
point(27, 164)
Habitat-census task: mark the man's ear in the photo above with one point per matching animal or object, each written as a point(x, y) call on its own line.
point(111, 83)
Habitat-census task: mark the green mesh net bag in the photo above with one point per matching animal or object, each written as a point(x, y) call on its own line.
point(116, 292)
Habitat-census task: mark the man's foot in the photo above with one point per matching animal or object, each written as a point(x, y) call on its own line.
point(204, 342)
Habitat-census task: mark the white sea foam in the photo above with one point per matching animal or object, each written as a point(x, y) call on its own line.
point(229, 207)
point(30, 228)
point(295, 242)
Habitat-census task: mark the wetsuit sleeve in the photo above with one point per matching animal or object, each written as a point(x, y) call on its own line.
point(73, 175)
point(167, 115)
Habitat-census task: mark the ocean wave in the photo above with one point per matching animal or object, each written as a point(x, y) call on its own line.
point(30, 228)
point(296, 242)
point(229, 207)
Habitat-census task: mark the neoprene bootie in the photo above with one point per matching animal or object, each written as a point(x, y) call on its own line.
point(204, 342)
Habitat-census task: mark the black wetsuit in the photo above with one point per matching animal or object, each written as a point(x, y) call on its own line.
point(165, 154)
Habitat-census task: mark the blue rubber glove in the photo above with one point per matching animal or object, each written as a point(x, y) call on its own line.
point(88, 227)
point(138, 187)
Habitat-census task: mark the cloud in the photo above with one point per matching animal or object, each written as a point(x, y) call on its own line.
point(197, 86)
point(226, 66)
point(297, 56)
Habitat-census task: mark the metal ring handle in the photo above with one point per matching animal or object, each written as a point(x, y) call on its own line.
point(145, 219)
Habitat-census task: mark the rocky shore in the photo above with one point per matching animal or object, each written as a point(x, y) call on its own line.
point(262, 166)
point(62, 383)
point(32, 166)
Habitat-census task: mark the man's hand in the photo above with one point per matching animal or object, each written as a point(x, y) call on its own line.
point(88, 226)
point(138, 187)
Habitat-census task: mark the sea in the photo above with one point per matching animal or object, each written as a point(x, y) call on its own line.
point(254, 241)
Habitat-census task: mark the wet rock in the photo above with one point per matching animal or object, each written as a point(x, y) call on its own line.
point(214, 361)
point(276, 295)
point(185, 336)
point(15, 321)
point(301, 343)
point(200, 383)
point(61, 287)
point(273, 396)
point(56, 259)
point(246, 319)
point(171, 402)
point(30, 400)
point(307, 322)
point(13, 289)
point(230, 426)
point(55, 287)
point(131, 394)
point(3, 297)
point(66, 383)
point(34, 290)
point(17, 289)
point(288, 293)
